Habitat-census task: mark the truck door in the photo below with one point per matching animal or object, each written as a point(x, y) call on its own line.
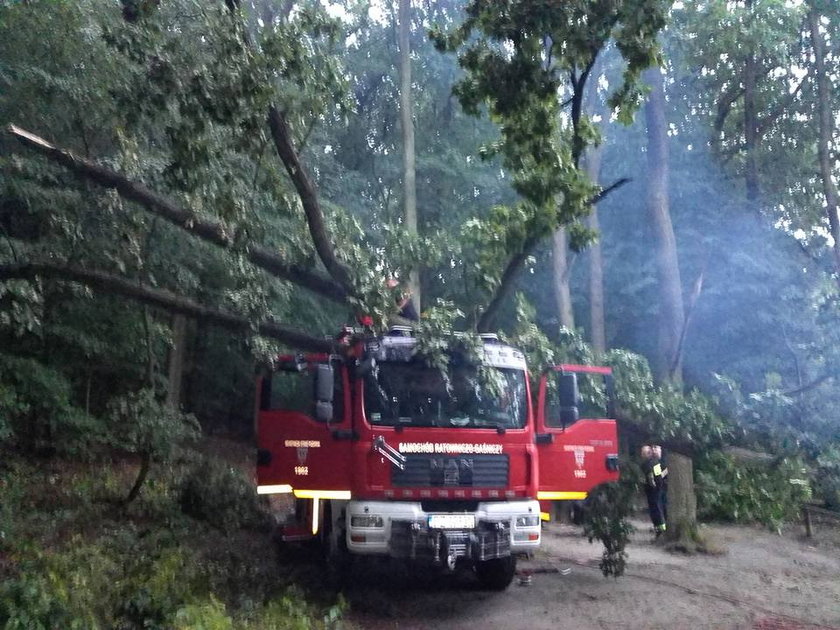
point(304, 430)
point(577, 441)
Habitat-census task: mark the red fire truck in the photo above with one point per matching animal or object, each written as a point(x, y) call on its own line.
point(388, 456)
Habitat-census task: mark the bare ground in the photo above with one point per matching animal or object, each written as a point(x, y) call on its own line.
point(762, 580)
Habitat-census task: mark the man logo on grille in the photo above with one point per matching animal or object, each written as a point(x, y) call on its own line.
point(451, 471)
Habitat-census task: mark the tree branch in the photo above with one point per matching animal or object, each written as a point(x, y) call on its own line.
point(770, 119)
point(515, 264)
point(168, 209)
point(160, 298)
point(676, 360)
point(282, 134)
point(808, 386)
point(724, 106)
point(595, 200)
point(511, 272)
point(578, 93)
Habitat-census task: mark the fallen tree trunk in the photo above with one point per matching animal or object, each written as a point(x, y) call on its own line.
point(102, 281)
point(167, 208)
point(283, 143)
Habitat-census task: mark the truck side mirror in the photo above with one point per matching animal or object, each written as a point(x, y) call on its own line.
point(324, 383)
point(568, 390)
point(324, 392)
point(569, 397)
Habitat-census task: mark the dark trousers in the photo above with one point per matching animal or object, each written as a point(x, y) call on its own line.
point(654, 499)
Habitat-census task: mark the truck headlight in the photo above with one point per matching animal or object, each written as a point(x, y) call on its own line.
point(366, 520)
point(531, 520)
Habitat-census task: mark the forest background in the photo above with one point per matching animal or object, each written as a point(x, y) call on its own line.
point(281, 185)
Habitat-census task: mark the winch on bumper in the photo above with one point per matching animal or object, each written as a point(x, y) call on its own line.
point(405, 530)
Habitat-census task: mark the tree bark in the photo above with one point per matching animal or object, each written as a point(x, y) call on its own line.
point(407, 123)
point(281, 132)
point(488, 318)
point(597, 318)
point(598, 336)
point(751, 122)
point(145, 464)
point(682, 503)
point(167, 301)
point(583, 94)
point(671, 312)
point(826, 133)
point(176, 362)
point(168, 209)
point(560, 279)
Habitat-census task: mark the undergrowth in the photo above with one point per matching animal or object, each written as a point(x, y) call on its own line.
point(190, 553)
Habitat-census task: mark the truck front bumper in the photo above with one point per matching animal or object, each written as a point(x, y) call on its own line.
point(404, 530)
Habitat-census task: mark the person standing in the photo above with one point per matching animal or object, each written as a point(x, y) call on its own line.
point(652, 471)
point(663, 480)
point(404, 302)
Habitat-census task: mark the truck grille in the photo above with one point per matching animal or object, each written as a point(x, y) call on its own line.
point(483, 471)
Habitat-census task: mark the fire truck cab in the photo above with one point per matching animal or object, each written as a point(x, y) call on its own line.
point(389, 456)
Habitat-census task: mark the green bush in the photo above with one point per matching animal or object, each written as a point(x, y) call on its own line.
point(219, 495)
point(827, 478)
point(71, 589)
point(605, 519)
point(208, 615)
point(292, 611)
point(36, 409)
point(158, 584)
point(141, 423)
point(729, 490)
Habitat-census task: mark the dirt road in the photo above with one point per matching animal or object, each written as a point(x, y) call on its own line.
point(763, 581)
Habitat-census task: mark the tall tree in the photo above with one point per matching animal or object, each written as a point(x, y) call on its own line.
point(407, 125)
point(597, 323)
point(825, 139)
point(667, 366)
point(560, 279)
point(751, 112)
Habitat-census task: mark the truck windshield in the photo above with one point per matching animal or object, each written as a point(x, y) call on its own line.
point(413, 394)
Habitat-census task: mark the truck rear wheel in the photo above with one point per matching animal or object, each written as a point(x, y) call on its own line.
point(496, 574)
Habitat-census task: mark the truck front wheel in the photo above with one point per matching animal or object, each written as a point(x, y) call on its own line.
point(496, 574)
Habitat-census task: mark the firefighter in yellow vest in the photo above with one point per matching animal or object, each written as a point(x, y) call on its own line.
point(663, 481)
point(652, 471)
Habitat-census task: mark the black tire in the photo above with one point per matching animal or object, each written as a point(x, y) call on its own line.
point(496, 575)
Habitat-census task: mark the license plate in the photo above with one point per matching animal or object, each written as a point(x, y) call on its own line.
point(452, 521)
